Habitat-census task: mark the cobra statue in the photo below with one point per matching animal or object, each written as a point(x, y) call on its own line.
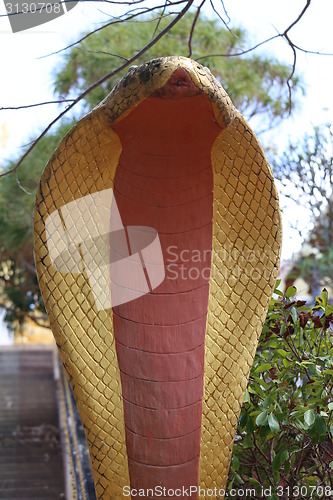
point(157, 241)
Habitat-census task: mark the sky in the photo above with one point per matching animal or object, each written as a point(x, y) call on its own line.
point(26, 75)
point(26, 79)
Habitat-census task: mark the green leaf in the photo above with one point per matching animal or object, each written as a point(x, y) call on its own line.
point(250, 424)
point(235, 463)
point(284, 456)
point(287, 467)
point(309, 417)
point(243, 420)
point(320, 425)
point(276, 463)
point(273, 423)
point(291, 291)
point(324, 296)
point(267, 402)
point(238, 479)
point(254, 481)
point(286, 363)
point(330, 406)
point(272, 342)
point(301, 337)
point(259, 390)
point(294, 314)
point(279, 459)
point(262, 418)
point(328, 371)
point(264, 431)
point(282, 352)
point(261, 383)
point(276, 290)
point(331, 465)
point(263, 368)
point(247, 443)
point(247, 398)
point(314, 370)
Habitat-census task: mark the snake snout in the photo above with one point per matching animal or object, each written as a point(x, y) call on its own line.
point(180, 84)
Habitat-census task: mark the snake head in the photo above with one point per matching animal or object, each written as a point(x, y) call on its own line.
point(168, 77)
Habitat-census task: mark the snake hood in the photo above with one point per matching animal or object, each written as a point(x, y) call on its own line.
point(142, 81)
point(157, 239)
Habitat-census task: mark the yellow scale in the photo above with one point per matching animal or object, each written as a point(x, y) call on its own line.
point(246, 222)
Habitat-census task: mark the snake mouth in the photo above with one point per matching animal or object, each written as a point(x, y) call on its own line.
point(164, 180)
point(179, 84)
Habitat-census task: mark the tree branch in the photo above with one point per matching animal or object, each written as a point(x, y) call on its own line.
point(133, 14)
point(117, 21)
point(293, 47)
point(284, 35)
point(41, 320)
point(60, 101)
point(241, 52)
point(196, 17)
point(99, 82)
point(221, 18)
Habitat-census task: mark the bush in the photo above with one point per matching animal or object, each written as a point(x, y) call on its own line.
point(284, 437)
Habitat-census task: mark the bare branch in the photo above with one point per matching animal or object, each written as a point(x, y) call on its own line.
point(225, 11)
point(285, 36)
point(18, 182)
point(60, 101)
point(196, 17)
point(308, 2)
point(313, 52)
point(117, 21)
point(160, 17)
point(132, 15)
point(293, 47)
point(41, 320)
point(288, 82)
point(89, 51)
point(241, 52)
point(221, 18)
point(99, 82)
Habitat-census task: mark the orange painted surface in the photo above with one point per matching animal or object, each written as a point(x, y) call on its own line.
point(164, 180)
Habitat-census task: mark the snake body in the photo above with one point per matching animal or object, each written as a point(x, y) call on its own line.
point(159, 380)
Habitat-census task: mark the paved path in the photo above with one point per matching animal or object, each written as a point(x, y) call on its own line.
point(31, 462)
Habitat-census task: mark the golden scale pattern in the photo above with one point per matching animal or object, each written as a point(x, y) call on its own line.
point(245, 260)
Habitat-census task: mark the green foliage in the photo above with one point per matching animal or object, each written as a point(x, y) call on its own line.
point(285, 431)
point(19, 292)
point(305, 170)
point(256, 84)
point(316, 268)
